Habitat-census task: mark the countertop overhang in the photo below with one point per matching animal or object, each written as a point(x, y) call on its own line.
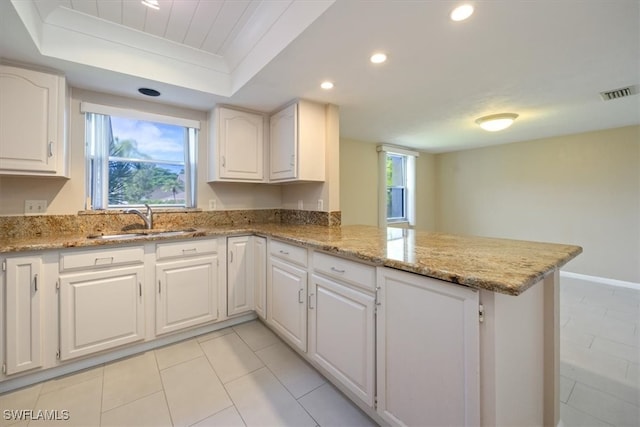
point(499, 265)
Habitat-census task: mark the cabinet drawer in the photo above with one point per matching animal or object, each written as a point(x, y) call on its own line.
point(188, 248)
point(359, 274)
point(101, 258)
point(289, 252)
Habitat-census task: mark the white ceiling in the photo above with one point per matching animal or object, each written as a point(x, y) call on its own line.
point(546, 60)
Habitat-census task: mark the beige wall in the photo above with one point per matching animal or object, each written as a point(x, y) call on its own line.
point(581, 189)
point(68, 196)
point(359, 191)
point(358, 182)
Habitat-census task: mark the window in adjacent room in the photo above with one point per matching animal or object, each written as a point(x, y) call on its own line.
point(396, 171)
point(397, 186)
point(135, 158)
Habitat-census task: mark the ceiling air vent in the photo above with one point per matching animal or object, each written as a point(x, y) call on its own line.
point(619, 93)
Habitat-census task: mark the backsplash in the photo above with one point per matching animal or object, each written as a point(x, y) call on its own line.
point(91, 222)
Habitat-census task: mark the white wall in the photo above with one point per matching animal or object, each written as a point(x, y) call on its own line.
point(580, 189)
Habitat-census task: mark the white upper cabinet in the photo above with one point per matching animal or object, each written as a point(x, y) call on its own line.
point(236, 151)
point(297, 143)
point(32, 123)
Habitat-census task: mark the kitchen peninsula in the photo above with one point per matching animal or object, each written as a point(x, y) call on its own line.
point(464, 328)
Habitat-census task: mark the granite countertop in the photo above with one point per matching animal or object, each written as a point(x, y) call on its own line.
point(499, 265)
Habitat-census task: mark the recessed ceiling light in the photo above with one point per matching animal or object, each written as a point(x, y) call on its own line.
point(496, 122)
point(326, 85)
point(148, 92)
point(378, 58)
point(461, 13)
point(153, 4)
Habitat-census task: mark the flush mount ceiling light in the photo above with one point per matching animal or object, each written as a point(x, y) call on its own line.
point(153, 4)
point(496, 122)
point(461, 13)
point(326, 85)
point(148, 92)
point(378, 58)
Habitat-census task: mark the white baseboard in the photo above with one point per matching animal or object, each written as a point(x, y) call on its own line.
point(602, 280)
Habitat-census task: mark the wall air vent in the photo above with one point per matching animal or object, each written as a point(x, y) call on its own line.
point(619, 93)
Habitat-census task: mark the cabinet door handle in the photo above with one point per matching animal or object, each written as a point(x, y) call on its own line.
point(293, 160)
point(337, 270)
point(192, 250)
point(284, 252)
point(35, 283)
point(50, 148)
point(310, 297)
point(159, 286)
point(109, 260)
point(230, 256)
point(224, 162)
point(377, 300)
point(300, 300)
point(140, 288)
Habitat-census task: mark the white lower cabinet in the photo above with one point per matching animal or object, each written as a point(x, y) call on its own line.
point(342, 335)
point(22, 305)
point(427, 351)
point(287, 301)
point(260, 277)
point(186, 293)
point(100, 310)
point(240, 275)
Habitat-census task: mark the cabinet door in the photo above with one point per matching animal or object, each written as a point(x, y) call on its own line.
point(240, 275)
point(241, 147)
point(427, 351)
point(23, 337)
point(187, 293)
point(100, 310)
point(342, 335)
point(283, 143)
point(260, 279)
point(31, 130)
point(287, 302)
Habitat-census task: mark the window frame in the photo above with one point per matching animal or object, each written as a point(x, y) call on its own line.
point(403, 187)
point(409, 179)
point(97, 165)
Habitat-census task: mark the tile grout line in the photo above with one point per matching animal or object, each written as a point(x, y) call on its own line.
point(289, 391)
point(164, 391)
point(599, 391)
point(224, 386)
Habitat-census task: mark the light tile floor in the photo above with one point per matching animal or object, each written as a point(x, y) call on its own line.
point(238, 376)
point(599, 354)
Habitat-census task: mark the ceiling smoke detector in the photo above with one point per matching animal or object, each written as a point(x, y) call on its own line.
point(619, 93)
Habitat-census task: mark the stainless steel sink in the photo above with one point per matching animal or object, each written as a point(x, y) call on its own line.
point(141, 234)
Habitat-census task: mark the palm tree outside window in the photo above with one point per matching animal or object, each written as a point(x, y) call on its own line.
point(131, 161)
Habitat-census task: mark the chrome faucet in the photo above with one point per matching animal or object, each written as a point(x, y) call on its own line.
point(148, 218)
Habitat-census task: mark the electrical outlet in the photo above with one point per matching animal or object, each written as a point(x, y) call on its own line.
point(35, 207)
point(320, 204)
point(300, 205)
point(212, 205)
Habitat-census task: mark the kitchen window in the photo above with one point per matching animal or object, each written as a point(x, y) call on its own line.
point(396, 186)
point(135, 158)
